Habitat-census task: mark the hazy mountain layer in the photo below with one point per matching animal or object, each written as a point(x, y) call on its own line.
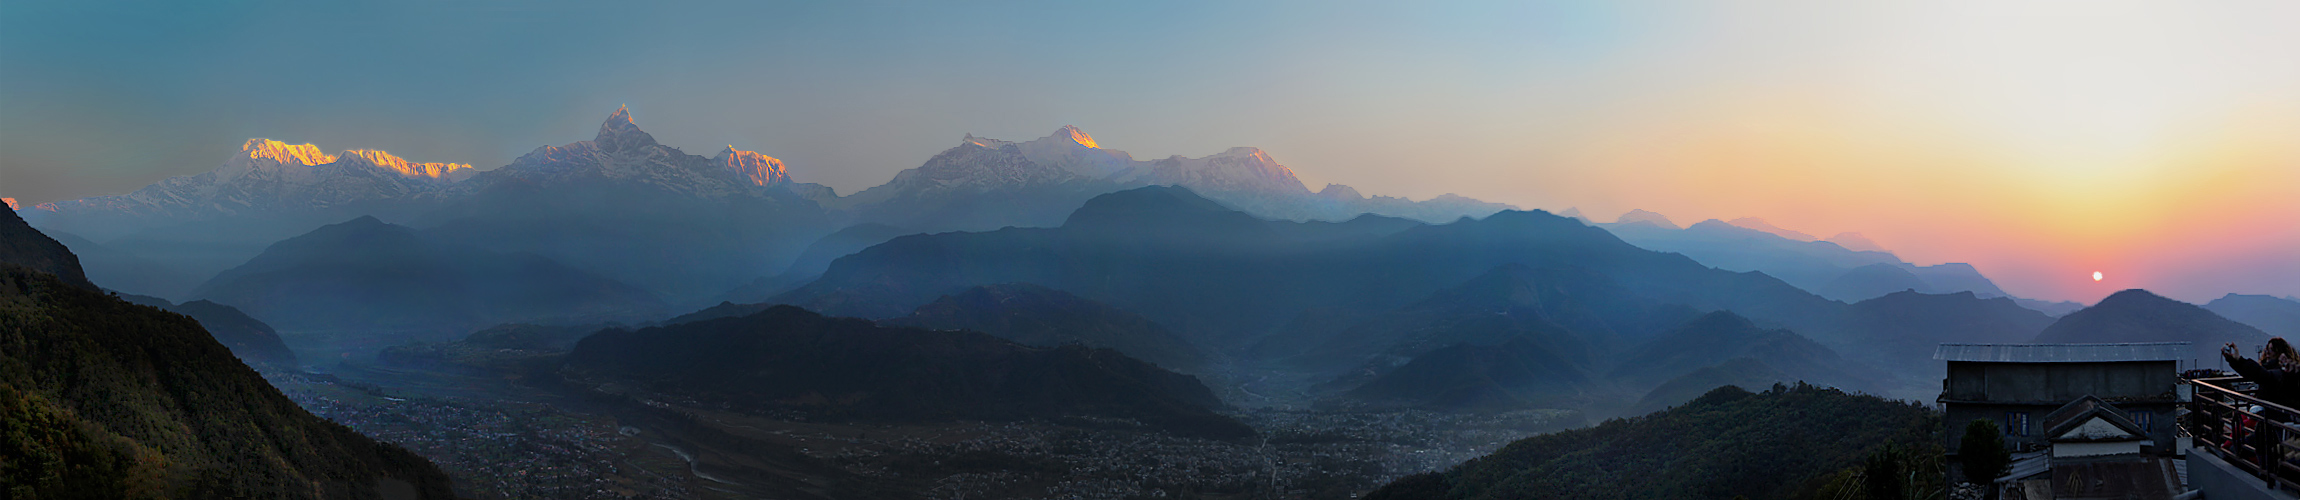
point(985, 184)
point(2279, 316)
point(815, 259)
point(1717, 337)
point(2139, 316)
point(1823, 267)
point(251, 340)
point(1045, 317)
point(786, 358)
point(1737, 372)
point(1577, 314)
point(368, 275)
point(25, 247)
point(1516, 374)
point(126, 272)
point(1900, 331)
point(1224, 278)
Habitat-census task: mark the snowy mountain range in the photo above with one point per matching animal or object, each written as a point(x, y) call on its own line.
point(269, 175)
point(563, 201)
point(985, 183)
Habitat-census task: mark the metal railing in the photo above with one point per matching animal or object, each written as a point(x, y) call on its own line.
point(2224, 418)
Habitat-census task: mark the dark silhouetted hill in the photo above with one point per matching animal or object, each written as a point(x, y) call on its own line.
point(365, 274)
point(108, 399)
point(1902, 329)
point(29, 248)
point(1737, 372)
point(2273, 315)
point(511, 350)
point(1727, 443)
point(1517, 374)
point(1224, 279)
point(787, 358)
point(1871, 281)
point(252, 341)
point(1719, 336)
point(723, 310)
point(815, 259)
point(1045, 317)
point(1576, 313)
point(2139, 316)
point(1823, 267)
point(127, 272)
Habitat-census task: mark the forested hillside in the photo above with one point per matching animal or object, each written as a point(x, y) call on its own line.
point(1786, 442)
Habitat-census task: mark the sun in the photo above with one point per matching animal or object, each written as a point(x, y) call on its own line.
point(2096, 275)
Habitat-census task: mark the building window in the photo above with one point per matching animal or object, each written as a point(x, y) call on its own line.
point(2016, 423)
point(2145, 418)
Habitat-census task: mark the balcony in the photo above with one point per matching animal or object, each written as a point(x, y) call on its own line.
point(2243, 446)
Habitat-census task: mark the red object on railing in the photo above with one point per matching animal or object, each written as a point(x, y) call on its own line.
point(2245, 430)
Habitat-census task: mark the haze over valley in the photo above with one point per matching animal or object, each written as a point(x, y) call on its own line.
point(687, 257)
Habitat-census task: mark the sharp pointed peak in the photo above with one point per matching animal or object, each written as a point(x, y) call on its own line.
point(620, 118)
point(619, 132)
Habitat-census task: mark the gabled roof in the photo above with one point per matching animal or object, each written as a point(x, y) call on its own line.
point(2064, 353)
point(2083, 410)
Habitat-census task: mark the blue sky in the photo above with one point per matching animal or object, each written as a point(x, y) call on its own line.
point(2041, 140)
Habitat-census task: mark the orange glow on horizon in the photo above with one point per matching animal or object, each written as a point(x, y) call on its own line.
point(1933, 190)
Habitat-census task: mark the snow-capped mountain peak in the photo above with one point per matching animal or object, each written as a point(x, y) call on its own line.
point(983, 142)
point(1075, 136)
point(620, 133)
point(377, 158)
point(761, 169)
point(1237, 169)
point(268, 155)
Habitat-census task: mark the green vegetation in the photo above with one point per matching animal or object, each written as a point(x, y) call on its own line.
point(1983, 450)
point(1894, 472)
point(101, 398)
point(1787, 442)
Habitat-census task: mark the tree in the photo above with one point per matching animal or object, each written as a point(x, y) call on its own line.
point(1983, 452)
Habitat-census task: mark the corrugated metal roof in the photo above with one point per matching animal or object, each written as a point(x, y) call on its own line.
point(2028, 464)
point(2064, 353)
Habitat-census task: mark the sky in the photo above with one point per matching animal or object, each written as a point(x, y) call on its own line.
point(2155, 142)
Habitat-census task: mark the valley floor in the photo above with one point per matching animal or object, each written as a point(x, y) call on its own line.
point(505, 440)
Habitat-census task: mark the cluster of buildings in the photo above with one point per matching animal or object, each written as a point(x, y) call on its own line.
point(2114, 421)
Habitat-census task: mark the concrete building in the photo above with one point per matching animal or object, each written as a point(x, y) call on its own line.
point(2019, 385)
